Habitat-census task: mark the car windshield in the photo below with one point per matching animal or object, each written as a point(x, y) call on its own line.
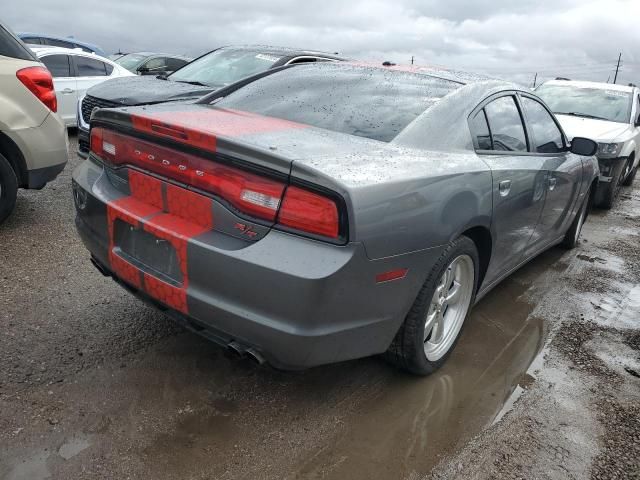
point(369, 102)
point(131, 61)
point(598, 103)
point(224, 66)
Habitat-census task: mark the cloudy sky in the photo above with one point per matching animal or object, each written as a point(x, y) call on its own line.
point(508, 38)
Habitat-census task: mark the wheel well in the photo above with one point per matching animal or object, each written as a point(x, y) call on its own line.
point(13, 154)
point(481, 236)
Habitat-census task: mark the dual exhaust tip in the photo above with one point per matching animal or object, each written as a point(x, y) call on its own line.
point(242, 351)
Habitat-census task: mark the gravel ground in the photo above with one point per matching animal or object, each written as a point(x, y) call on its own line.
point(543, 384)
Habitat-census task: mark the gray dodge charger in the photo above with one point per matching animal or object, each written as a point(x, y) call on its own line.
point(333, 211)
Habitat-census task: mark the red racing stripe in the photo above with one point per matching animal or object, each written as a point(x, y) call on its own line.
point(178, 217)
point(201, 127)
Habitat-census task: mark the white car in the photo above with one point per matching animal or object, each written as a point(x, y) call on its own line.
point(74, 71)
point(608, 114)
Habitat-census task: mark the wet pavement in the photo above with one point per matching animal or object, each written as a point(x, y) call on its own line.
point(95, 384)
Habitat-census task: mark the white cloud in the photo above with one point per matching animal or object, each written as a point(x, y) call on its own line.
point(514, 39)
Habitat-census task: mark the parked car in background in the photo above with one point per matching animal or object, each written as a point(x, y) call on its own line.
point(75, 71)
point(331, 211)
point(115, 56)
point(33, 139)
point(63, 42)
point(146, 63)
point(607, 113)
point(207, 73)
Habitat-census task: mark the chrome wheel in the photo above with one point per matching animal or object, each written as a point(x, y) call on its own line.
point(449, 306)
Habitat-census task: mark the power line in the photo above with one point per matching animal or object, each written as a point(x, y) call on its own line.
point(617, 68)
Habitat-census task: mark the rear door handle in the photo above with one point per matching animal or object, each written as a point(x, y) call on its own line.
point(504, 187)
point(552, 183)
point(67, 90)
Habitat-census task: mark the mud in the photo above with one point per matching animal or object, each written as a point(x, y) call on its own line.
point(96, 385)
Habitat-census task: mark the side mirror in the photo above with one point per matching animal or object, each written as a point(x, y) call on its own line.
point(637, 124)
point(583, 146)
point(143, 71)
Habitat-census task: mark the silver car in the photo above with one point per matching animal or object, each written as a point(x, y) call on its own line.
point(333, 211)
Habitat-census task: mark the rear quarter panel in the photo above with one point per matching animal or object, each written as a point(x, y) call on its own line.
point(403, 201)
point(19, 108)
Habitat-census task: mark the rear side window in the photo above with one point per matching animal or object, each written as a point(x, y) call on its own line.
point(58, 65)
point(11, 46)
point(365, 101)
point(546, 135)
point(108, 68)
point(507, 131)
point(480, 131)
point(89, 67)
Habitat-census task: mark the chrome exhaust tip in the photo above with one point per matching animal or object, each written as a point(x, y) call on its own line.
point(255, 356)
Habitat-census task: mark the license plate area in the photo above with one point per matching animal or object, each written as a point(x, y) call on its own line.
point(147, 252)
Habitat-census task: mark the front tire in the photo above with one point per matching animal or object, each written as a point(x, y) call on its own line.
point(8, 188)
point(433, 325)
point(609, 192)
point(572, 237)
point(632, 174)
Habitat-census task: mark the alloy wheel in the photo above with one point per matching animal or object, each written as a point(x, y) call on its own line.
point(449, 306)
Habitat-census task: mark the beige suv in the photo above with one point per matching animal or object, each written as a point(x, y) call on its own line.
point(33, 138)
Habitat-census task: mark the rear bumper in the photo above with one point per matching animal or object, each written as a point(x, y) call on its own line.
point(297, 301)
point(83, 142)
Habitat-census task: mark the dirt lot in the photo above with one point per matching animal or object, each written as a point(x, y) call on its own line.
point(545, 382)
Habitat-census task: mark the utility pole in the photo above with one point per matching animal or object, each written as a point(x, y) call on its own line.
point(615, 77)
point(534, 80)
point(411, 59)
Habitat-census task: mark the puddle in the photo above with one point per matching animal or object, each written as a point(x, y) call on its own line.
point(31, 468)
point(414, 422)
point(73, 447)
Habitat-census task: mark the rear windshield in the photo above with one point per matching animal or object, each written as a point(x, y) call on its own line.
point(10, 46)
point(364, 101)
point(598, 103)
point(225, 66)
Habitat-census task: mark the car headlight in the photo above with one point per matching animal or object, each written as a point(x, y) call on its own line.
point(609, 150)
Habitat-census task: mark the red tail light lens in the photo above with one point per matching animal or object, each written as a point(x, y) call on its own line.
point(309, 212)
point(39, 82)
point(250, 193)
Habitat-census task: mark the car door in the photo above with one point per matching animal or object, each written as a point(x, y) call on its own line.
point(90, 72)
point(64, 83)
point(563, 172)
point(500, 138)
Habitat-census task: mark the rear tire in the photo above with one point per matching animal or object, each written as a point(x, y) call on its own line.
point(433, 325)
point(8, 188)
point(572, 237)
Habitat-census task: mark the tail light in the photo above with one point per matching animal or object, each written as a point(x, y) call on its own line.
point(250, 193)
point(309, 212)
point(39, 82)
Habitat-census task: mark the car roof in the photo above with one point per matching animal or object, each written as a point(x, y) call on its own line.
point(41, 51)
point(158, 54)
point(92, 46)
point(596, 85)
point(283, 51)
point(458, 76)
